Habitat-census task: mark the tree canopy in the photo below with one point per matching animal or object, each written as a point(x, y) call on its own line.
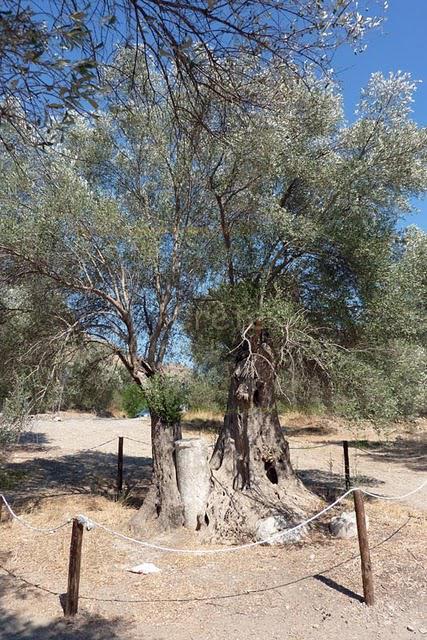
point(286, 216)
point(52, 53)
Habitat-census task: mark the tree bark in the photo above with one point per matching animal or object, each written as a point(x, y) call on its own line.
point(162, 508)
point(251, 473)
point(252, 476)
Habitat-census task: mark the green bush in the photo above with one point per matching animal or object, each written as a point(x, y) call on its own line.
point(133, 400)
point(166, 397)
point(207, 393)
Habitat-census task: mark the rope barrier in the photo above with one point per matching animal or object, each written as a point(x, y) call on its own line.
point(220, 596)
point(97, 446)
point(134, 440)
point(367, 452)
point(382, 454)
point(30, 526)
point(315, 446)
point(271, 538)
point(406, 495)
point(90, 524)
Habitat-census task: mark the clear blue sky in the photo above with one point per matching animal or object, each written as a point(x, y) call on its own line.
point(400, 44)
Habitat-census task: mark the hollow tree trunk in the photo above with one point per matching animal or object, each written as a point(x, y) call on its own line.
point(162, 508)
point(252, 476)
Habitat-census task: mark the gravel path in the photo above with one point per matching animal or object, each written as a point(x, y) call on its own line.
point(391, 469)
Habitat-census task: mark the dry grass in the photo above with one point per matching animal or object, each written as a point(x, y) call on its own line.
point(43, 560)
point(204, 416)
point(202, 424)
point(236, 587)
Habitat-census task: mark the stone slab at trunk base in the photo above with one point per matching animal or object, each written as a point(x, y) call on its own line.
point(278, 527)
point(193, 475)
point(345, 525)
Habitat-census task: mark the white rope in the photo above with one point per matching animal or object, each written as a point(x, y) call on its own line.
point(248, 545)
point(90, 524)
point(134, 440)
point(383, 453)
point(406, 495)
point(30, 526)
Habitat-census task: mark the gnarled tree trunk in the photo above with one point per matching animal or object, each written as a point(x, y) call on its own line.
point(252, 476)
point(251, 473)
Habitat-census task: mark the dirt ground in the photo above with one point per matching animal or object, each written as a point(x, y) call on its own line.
point(295, 592)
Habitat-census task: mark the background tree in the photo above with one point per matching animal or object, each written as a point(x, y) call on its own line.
point(113, 223)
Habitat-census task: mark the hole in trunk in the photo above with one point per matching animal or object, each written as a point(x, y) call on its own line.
point(206, 519)
point(256, 398)
point(270, 471)
point(158, 509)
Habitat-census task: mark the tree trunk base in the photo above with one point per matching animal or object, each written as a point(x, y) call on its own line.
point(232, 514)
point(162, 508)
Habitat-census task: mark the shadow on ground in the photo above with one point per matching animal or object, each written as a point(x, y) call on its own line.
point(412, 453)
point(83, 627)
point(318, 429)
point(32, 438)
point(91, 472)
point(29, 441)
point(15, 625)
point(331, 485)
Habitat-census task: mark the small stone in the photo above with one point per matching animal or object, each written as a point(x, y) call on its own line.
point(423, 630)
point(274, 530)
point(145, 568)
point(410, 627)
point(345, 525)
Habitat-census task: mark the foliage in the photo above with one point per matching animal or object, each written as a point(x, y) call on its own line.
point(52, 53)
point(286, 218)
point(14, 418)
point(207, 392)
point(382, 388)
point(112, 233)
point(166, 397)
point(90, 381)
point(48, 66)
point(133, 400)
point(307, 206)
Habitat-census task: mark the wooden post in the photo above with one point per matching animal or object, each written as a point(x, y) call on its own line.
point(346, 465)
point(120, 466)
point(72, 600)
point(365, 557)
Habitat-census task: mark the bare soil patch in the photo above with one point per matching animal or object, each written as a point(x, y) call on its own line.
point(295, 592)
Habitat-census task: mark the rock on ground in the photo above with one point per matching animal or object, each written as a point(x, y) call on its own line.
point(278, 526)
point(345, 525)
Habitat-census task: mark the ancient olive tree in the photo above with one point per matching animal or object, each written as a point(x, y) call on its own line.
point(306, 209)
point(280, 224)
